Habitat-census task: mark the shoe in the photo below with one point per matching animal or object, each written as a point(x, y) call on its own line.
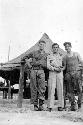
point(36, 108)
point(72, 108)
point(60, 109)
point(41, 102)
point(41, 108)
point(79, 106)
point(49, 109)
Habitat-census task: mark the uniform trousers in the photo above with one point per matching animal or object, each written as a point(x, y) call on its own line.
point(37, 86)
point(74, 86)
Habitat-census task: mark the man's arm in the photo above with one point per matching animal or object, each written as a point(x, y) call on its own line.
point(28, 63)
point(79, 59)
point(49, 66)
point(28, 59)
point(63, 63)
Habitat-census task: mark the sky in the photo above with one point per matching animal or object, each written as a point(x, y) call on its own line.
point(23, 22)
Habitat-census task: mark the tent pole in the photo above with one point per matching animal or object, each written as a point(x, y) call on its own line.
point(9, 86)
point(21, 81)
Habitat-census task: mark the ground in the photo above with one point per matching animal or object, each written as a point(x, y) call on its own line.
point(11, 115)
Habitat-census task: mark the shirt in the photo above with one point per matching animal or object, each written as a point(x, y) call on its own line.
point(72, 61)
point(54, 61)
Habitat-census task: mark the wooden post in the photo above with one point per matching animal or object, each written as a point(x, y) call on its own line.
point(9, 89)
point(5, 91)
point(21, 81)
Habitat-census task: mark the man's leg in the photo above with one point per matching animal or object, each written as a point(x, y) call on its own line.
point(70, 90)
point(33, 87)
point(76, 84)
point(79, 94)
point(51, 89)
point(60, 90)
point(72, 99)
point(41, 88)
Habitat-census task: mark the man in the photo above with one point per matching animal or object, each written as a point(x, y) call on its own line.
point(37, 76)
point(73, 65)
point(54, 64)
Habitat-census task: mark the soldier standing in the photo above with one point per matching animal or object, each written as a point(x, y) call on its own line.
point(72, 63)
point(37, 76)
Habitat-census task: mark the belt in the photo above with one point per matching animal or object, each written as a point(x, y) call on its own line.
point(37, 68)
point(73, 71)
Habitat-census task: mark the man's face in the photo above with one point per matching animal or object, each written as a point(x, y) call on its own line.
point(67, 47)
point(41, 45)
point(55, 48)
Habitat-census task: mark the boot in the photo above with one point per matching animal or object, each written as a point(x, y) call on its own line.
point(41, 108)
point(79, 105)
point(60, 109)
point(73, 107)
point(49, 109)
point(35, 108)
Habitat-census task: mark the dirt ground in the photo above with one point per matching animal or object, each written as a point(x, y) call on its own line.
point(11, 115)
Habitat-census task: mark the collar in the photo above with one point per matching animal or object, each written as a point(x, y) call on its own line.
point(41, 51)
point(70, 54)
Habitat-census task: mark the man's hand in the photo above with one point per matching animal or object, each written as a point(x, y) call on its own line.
point(52, 63)
point(28, 61)
point(57, 69)
point(62, 68)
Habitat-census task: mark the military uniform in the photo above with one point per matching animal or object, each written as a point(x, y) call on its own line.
point(73, 78)
point(55, 80)
point(37, 76)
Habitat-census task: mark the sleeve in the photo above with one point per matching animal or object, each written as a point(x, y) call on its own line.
point(28, 63)
point(49, 65)
point(30, 55)
point(79, 59)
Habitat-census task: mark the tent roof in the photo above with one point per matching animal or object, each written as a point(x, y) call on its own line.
point(15, 63)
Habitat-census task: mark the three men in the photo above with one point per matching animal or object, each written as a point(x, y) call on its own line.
point(54, 64)
point(37, 76)
point(72, 62)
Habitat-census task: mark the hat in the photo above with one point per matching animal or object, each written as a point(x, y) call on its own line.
point(42, 41)
point(67, 43)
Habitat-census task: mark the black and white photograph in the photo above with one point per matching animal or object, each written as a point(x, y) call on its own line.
point(41, 62)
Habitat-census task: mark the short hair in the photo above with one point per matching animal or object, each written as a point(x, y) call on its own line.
point(42, 41)
point(67, 43)
point(54, 44)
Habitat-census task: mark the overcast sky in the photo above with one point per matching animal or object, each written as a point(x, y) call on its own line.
point(22, 23)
